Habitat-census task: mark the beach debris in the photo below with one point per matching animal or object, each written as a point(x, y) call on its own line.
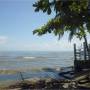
point(66, 85)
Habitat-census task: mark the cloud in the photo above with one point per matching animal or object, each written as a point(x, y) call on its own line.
point(3, 39)
point(53, 45)
point(46, 46)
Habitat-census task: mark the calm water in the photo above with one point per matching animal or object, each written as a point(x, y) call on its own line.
point(30, 60)
point(33, 61)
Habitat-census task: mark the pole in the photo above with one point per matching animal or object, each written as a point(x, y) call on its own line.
point(75, 52)
point(89, 52)
point(84, 44)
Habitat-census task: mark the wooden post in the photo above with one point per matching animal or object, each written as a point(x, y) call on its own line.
point(84, 51)
point(75, 66)
point(89, 52)
point(21, 76)
point(75, 52)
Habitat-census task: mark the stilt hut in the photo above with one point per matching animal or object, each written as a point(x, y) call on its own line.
point(81, 58)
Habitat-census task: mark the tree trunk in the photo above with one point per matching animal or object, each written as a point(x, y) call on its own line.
point(87, 47)
point(85, 39)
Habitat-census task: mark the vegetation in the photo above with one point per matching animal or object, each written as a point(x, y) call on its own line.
point(72, 16)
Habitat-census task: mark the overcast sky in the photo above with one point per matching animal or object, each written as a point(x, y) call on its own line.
point(18, 20)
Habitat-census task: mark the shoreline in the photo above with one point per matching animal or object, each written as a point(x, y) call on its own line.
point(67, 82)
point(27, 74)
point(51, 71)
point(50, 84)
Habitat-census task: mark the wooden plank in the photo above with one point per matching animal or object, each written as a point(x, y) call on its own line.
point(75, 52)
point(89, 53)
point(84, 51)
point(81, 75)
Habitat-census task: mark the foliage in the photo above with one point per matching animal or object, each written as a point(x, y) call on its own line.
point(71, 16)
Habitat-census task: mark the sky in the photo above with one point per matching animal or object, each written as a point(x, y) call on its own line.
point(18, 20)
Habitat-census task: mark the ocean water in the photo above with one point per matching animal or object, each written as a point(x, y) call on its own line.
point(33, 64)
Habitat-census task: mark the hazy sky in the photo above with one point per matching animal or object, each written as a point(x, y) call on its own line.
point(18, 20)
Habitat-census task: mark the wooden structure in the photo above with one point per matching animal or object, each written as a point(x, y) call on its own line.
point(81, 58)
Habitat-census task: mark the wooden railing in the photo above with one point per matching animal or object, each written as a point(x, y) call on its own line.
point(81, 53)
point(81, 58)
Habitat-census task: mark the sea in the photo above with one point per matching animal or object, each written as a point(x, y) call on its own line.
point(32, 64)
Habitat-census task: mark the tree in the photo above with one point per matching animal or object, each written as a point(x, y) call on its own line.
point(72, 16)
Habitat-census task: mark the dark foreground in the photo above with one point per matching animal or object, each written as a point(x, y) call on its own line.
point(79, 82)
point(71, 81)
point(50, 84)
